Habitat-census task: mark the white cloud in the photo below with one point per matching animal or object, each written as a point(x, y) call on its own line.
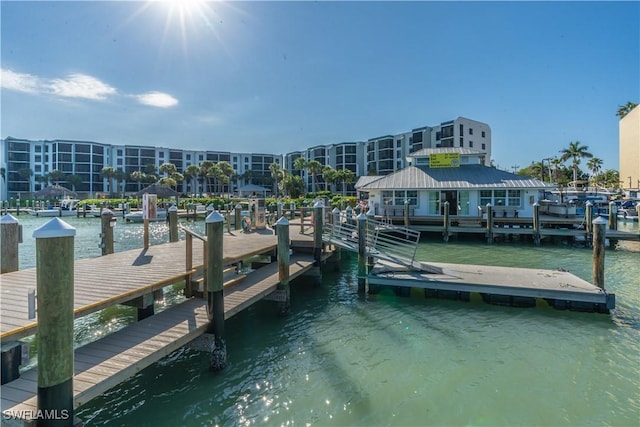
point(157, 99)
point(81, 86)
point(77, 86)
point(19, 82)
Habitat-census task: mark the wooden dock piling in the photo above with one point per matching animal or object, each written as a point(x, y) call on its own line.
point(106, 231)
point(599, 236)
point(362, 252)
point(215, 282)
point(55, 275)
point(489, 233)
point(318, 210)
point(536, 224)
point(588, 221)
point(173, 223)
point(9, 240)
point(613, 216)
point(447, 222)
point(282, 228)
point(336, 222)
point(406, 214)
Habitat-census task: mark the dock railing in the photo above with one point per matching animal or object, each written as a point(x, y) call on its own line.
point(391, 242)
point(189, 236)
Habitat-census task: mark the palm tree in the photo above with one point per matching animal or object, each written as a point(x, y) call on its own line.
point(191, 173)
point(168, 169)
point(576, 152)
point(347, 176)
point(109, 173)
point(276, 174)
point(226, 172)
point(74, 181)
point(313, 167)
point(26, 174)
point(330, 177)
point(138, 176)
point(56, 176)
point(595, 166)
point(204, 174)
point(625, 109)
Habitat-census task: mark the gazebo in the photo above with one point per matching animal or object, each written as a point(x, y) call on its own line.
point(53, 192)
point(161, 191)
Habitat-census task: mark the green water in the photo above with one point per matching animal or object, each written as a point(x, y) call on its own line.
point(341, 358)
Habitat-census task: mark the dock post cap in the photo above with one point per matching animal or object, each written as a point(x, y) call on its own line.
point(588, 203)
point(361, 217)
point(173, 208)
point(349, 208)
point(8, 219)
point(536, 204)
point(318, 204)
point(598, 221)
point(406, 202)
point(489, 205)
point(214, 216)
point(335, 210)
point(54, 228)
point(238, 206)
point(107, 212)
point(282, 221)
point(370, 212)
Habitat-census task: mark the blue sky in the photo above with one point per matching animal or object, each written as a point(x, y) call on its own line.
point(276, 77)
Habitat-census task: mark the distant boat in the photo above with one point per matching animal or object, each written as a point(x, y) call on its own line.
point(161, 215)
point(627, 211)
point(68, 207)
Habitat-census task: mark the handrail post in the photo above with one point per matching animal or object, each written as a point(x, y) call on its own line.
point(406, 214)
point(489, 223)
point(613, 216)
point(302, 212)
point(318, 210)
point(188, 291)
point(54, 278)
point(588, 218)
point(336, 224)
point(238, 217)
point(362, 252)
point(214, 284)
point(282, 228)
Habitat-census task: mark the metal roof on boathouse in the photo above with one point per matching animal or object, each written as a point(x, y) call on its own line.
point(466, 176)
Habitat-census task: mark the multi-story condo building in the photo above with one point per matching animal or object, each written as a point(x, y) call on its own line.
point(386, 154)
point(629, 143)
point(27, 164)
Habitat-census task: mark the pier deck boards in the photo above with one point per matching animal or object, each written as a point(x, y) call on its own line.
point(508, 281)
point(113, 279)
point(107, 362)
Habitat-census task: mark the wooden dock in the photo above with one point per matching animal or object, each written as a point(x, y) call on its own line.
point(112, 279)
point(499, 285)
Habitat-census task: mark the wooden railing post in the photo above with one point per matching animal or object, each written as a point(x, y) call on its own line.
point(188, 240)
point(282, 228)
point(362, 252)
point(215, 297)
point(348, 213)
point(588, 220)
point(489, 223)
point(406, 214)
point(302, 212)
point(9, 240)
point(318, 216)
point(54, 277)
point(613, 216)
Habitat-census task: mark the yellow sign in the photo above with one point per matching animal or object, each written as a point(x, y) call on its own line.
point(444, 160)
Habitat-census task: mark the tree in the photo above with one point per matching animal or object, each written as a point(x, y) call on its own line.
point(56, 176)
point(167, 182)
point(204, 174)
point(191, 174)
point(292, 185)
point(137, 176)
point(595, 166)
point(575, 151)
point(347, 176)
point(26, 174)
point(313, 167)
point(109, 173)
point(625, 109)
point(226, 172)
point(168, 169)
point(74, 181)
point(121, 177)
point(330, 177)
point(276, 174)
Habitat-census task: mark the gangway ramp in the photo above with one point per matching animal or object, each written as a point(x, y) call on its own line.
point(383, 241)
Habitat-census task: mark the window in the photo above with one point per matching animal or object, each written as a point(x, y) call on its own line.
point(471, 144)
point(483, 134)
point(461, 142)
point(484, 146)
point(38, 148)
point(461, 129)
point(161, 154)
point(188, 156)
point(513, 198)
point(470, 131)
point(399, 196)
point(485, 197)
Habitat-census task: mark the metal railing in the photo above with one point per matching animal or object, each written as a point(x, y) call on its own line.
point(392, 242)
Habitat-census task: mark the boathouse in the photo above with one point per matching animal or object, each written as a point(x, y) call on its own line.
point(455, 175)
